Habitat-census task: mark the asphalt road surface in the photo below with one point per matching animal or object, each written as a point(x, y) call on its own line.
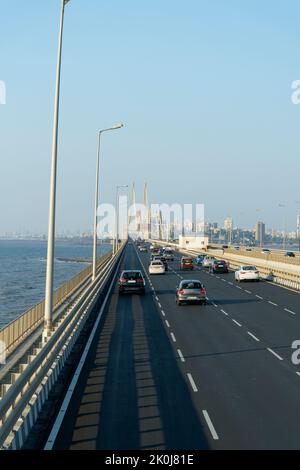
point(219, 376)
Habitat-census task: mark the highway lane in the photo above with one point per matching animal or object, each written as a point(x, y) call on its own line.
point(132, 393)
point(251, 393)
point(162, 376)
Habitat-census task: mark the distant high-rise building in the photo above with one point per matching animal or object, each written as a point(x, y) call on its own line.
point(260, 231)
point(228, 226)
point(228, 223)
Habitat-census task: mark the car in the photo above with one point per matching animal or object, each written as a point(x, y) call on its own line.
point(248, 249)
point(208, 259)
point(165, 263)
point(151, 247)
point(246, 273)
point(225, 247)
point(157, 267)
point(155, 257)
point(190, 291)
point(131, 281)
point(186, 263)
point(168, 254)
point(143, 249)
point(236, 247)
point(265, 251)
point(218, 266)
point(199, 259)
point(290, 254)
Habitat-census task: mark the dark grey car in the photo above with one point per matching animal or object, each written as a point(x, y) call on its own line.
point(190, 291)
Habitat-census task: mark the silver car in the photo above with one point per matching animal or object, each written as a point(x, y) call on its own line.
point(190, 291)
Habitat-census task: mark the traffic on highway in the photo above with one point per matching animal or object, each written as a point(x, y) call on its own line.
point(200, 361)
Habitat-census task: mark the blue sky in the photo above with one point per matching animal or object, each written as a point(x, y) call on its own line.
point(203, 87)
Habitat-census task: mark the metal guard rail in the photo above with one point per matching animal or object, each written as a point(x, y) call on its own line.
point(20, 405)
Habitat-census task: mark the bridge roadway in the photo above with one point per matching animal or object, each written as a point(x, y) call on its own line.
point(160, 376)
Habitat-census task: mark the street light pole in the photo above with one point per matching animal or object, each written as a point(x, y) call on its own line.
point(52, 204)
point(116, 240)
point(116, 126)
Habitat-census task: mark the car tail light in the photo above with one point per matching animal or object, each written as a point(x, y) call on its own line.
point(203, 291)
point(181, 291)
point(242, 272)
point(140, 280)
point(122, 279)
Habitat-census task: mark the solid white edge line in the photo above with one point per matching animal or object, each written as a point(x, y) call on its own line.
point(210, 425)
point(275, 354)
point(254, 337)
point(190, 377)
point(61, 414)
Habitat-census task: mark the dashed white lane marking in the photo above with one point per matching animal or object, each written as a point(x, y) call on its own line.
point(173, 337)
point(272, 303)
point(159, 304)
point(180, 355)
point(224, 280)
point(275, 354)
point(252, 336)
point(298, 373)
point(195, 389)
point(156, 297)
point(231, 283)
point(167, 323)
point(215, 305)
point(163, 313)
point(225, 313)
point(259, 297)
point(210, 425)
point(238, 287)
point(248, 291)
point(290, 311)
point(236, 322)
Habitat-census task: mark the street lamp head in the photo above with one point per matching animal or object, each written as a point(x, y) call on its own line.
point(118, 126)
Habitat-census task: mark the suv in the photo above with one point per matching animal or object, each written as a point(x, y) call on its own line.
point(218, 266)
point(168, 254)
point(131, 281)
point(191, 291)
point(186, 263)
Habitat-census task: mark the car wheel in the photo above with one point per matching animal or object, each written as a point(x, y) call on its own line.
point(178, 303)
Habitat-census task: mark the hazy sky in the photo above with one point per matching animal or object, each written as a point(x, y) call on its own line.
point(203, 87)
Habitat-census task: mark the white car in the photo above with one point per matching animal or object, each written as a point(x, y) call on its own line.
point(156, 267)
point(246, 273)
point(207, 261)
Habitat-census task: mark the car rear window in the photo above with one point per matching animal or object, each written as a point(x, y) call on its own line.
point(249, 268)
point(156, 263)
point(191, 285)
point(133, 275)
